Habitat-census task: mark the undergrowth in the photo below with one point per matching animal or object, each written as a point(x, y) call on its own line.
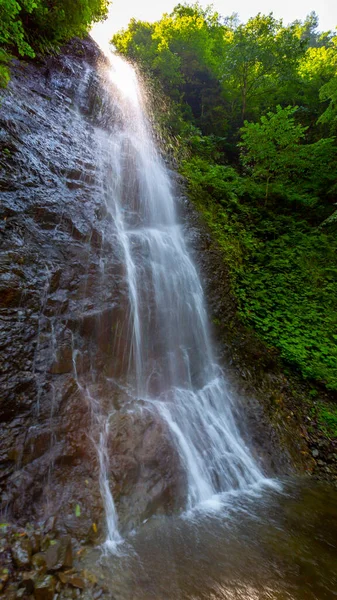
point(283, 270)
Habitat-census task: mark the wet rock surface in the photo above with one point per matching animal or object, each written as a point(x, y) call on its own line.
point(61, 321)
point(48, 571)
point(147, 472)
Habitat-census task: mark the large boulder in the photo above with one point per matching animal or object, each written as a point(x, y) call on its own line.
point(146, 474)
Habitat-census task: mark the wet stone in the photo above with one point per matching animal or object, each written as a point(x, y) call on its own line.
point(46, 541)
point(22, 552)
point(64, 355)
point(11, 591)
point(4, 576)
point(39, 561)
point(28, 581)
point(89, 576)
point(35, 539)
point(76, 581)
point(50, 525)
point(63, 577)
point(49, 240)
point(59, 554)
point(44, 588)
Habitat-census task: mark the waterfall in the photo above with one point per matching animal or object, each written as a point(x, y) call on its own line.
point(166, 343)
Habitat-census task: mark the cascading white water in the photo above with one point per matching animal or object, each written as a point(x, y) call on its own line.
point(167, 347)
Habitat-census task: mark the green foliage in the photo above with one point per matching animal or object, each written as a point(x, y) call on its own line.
point(227, 216)
point(183, 50)
point(328, 92)
point(325, 416)
point(226, 71)
point(289, 293)
point(53, 24)
point(273, 153)
point(271, 146)
point(284, 272)
point(28, 26)
point(254, 66)
point(12, 34)
point(327, 420)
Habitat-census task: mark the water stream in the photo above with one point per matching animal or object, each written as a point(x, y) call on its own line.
point(166, 345)
point(259, 545)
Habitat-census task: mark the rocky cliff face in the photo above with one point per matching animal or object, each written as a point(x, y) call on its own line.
point(59, 315)
point(62, 299)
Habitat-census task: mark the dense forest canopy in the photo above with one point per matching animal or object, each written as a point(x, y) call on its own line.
point(253, 111)
point(28, 26)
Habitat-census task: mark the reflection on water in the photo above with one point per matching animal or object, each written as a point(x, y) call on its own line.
point(259, 545)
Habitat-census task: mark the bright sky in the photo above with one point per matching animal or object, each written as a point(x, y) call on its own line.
point(121, 11)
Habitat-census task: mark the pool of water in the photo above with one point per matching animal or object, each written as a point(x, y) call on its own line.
point(268, 543)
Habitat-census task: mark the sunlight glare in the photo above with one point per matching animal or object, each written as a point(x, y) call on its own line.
point(121, 73)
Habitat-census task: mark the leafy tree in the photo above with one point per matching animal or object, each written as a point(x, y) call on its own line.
point(273, 152)
point(271, 146)
point(27, 26)
point(317, 67)
point(183, 50)
point(12, 34)
point(328, 92)
point(255, 65)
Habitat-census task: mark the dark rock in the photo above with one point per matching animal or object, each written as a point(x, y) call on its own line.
point(59, 554)
point(36, 444)
point(4, 577)
point(50, 527)
point(39, 561)
point(11, 591)
point(63, 362)
point(49, 269)
point(22, 552)
point(76, 581)
point(146, 473)
point(48, 538)
point(35, 540)
point(44, 587)
point(28, 581)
